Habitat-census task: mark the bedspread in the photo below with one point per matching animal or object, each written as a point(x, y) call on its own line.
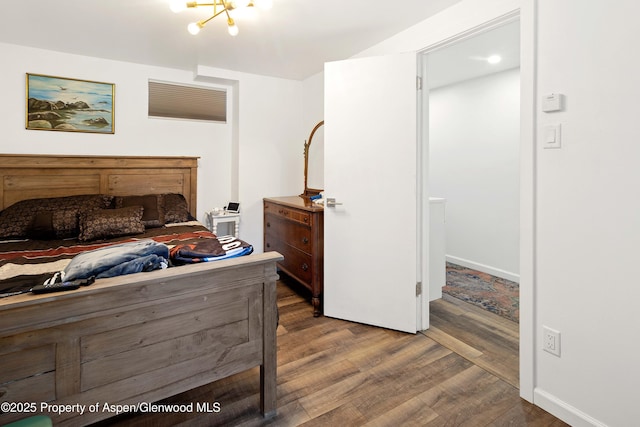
point(24, 264)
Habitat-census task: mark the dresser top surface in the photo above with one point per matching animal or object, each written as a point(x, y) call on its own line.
point(296, 202)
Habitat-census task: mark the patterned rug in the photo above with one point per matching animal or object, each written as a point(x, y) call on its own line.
point(497, 295)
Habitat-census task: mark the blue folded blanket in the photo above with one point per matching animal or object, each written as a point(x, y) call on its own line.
point(118, 260)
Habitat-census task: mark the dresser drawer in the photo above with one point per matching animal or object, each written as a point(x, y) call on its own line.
point(292, 214)
point(296, 263)
point(296, 235)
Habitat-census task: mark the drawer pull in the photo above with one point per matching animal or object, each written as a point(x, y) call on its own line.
point(268, 245)
point(305, 240)
point(306, 219)
point(268, 224)
point(305, 267)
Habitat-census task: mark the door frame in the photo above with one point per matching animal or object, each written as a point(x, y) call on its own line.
point(526, 15)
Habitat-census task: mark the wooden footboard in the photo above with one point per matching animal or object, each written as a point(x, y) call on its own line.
point(133, 340)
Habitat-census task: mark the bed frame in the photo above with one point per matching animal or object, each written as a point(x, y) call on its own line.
point(132, 339)
point(35, 176)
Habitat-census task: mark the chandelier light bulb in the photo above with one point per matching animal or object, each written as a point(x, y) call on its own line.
point(263, 4)
point(494, 59)
point(233, 28)
point(194, 28)
point(177, 6)
point(240, 3)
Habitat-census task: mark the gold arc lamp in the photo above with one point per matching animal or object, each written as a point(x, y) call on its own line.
point(227, 8)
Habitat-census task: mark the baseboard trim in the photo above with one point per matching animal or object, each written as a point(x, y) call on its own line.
point(484, 268)
point(563, 410)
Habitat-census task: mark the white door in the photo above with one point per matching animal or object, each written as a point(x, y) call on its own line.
point(370, 240)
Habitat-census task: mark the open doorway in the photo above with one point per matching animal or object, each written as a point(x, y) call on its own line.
point(473, 88)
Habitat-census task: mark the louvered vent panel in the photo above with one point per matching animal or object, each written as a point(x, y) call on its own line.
point(187, 102)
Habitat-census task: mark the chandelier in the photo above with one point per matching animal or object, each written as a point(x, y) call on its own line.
point(230, 8)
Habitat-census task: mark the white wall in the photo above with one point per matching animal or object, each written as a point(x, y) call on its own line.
point(255, 148)
point(313, 92)
point(270, 142)
point(589, 207)
point(474, 137)
point(586, 228)
point(313, 89)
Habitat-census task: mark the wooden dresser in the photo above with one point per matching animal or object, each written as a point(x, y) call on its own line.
point(295, 228)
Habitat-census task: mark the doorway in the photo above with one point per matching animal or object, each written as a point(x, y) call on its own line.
point(472, 107)
point(474, 132)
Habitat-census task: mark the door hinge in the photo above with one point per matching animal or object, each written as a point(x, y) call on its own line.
point(418, 289)
point(418, 83)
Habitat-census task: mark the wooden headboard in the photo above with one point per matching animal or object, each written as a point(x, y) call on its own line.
point(36, 176)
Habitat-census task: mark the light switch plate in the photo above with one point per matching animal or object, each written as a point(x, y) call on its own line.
point(552, 136)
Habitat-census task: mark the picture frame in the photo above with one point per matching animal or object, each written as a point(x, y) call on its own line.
point(69, 105)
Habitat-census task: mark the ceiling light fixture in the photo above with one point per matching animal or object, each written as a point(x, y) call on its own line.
point(227, 7)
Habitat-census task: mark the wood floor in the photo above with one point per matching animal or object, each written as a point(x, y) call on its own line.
point(332, 372)
point(485, 339)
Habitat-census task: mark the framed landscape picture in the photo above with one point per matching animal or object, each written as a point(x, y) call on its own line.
point(70, 105)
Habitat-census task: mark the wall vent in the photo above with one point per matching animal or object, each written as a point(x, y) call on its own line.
point(177, 101)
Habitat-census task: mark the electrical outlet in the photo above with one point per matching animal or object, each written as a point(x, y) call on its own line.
point(551, 341)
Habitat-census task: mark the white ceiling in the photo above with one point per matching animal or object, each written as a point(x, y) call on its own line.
point(292, 40)
point(467, 58)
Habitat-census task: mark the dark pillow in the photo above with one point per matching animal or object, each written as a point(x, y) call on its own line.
point(153, 214)
point(42, 226)
point(107, 223)
point(17, 219)
point(65, 222)
point(175, 208)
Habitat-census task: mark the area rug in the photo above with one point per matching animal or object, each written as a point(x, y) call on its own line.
point(495, 294)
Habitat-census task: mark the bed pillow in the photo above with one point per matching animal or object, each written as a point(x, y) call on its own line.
point(153, 214)
point(42, 226)
point(18, 219)
point(67, 209)
point(65, 222)
point(175, 208)
point(107, 223)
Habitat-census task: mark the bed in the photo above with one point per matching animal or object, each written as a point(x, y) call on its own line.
point(124, 342)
